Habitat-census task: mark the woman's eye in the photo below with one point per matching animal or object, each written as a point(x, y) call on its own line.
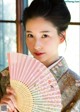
point(45, 36)
point(30, 35)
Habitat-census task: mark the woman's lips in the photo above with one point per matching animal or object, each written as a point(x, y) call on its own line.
point(38, 53)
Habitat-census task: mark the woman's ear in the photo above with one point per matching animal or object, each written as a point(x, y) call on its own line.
point(62, 36)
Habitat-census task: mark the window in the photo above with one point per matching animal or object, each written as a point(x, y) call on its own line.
point(11, 31)
point(7, 30)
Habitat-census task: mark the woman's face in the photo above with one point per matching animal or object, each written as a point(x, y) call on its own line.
point(42, 40)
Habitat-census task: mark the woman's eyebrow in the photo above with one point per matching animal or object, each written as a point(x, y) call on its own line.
point(44, 31)
point(29, 31)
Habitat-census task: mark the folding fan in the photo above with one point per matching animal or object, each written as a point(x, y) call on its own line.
point(35, 86)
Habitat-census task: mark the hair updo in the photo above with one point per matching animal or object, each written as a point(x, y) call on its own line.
point(54, 11)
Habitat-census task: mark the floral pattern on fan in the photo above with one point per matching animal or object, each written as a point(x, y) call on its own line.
point(35, 86)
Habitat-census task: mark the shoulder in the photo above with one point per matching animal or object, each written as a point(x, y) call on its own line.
point(4, 80)
point(4, 75)
point(72, 79)
point(5, 71)
point(73, 74)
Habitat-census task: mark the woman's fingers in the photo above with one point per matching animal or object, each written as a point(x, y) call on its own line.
point(10, 100)
point(12, 95)
point(10, 90)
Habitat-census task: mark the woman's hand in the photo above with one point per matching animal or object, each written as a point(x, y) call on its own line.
point(10, 100)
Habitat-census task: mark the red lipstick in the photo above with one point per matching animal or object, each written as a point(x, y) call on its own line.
point(38, 53)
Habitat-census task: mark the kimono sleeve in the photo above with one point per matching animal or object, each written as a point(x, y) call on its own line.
point(4, 81)
point(76, 107)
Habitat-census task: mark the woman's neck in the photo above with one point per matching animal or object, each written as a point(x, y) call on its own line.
point(51, 61)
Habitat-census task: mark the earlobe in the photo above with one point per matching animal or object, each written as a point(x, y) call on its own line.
point(62, 36)
point(62, 39)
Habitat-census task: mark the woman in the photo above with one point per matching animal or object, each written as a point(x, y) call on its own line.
point(45, 22)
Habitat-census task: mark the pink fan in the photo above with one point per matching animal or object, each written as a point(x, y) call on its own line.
point(36, 88)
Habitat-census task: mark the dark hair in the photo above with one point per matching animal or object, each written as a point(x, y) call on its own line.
point(54, 11)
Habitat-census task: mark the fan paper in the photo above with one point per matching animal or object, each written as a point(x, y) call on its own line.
point(35, 86)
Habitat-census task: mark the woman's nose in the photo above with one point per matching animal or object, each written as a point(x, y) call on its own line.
point(38, 45)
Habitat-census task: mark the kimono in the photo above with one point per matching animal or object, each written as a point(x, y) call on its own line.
point(68, 82)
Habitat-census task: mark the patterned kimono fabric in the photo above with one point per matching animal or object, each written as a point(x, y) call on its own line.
point(68, 81)
point(69, 84)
